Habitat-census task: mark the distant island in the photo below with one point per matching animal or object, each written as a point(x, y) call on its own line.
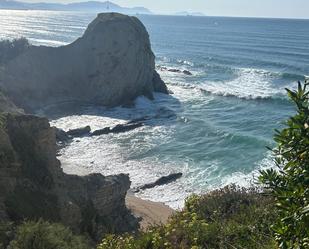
point(186, 13)
point(91, 6)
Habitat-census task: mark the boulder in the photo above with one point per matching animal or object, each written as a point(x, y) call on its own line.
point(61, 136)
point(161, 181)
point(187, 72)
point(174, 70)
point(79, 132)
point(100, 132)
point(110, 65)
point(126, 127)
point(120, 128)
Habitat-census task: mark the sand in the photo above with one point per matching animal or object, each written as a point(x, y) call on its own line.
point(151, 213)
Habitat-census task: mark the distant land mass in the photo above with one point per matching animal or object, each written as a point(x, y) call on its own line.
point(91, 6)
point(186, 13)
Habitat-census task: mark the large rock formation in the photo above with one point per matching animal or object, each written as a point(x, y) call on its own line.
point(111, 64)
point(6, 105)
point(34, 186)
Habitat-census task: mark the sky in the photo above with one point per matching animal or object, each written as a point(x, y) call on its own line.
point(250, 8)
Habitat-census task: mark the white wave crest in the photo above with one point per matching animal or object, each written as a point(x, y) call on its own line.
point(250, 84)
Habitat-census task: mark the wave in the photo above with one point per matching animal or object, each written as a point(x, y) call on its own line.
point(248, 83)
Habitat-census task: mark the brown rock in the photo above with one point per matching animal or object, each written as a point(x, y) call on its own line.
point(111, 64)
point(34, 186)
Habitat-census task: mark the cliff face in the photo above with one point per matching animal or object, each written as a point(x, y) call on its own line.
point(34, 186)
point(6, 105)
point(111, 64)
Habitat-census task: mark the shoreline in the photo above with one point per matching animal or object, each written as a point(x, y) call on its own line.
point(150, 213)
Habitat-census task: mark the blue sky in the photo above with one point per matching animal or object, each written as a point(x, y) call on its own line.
point(259, 8)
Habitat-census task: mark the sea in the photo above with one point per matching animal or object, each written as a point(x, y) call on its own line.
point(216, 126)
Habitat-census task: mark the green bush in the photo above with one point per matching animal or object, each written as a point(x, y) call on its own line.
point(226, 218)
point(290, 183)
point(7, 230)
point(44, 235)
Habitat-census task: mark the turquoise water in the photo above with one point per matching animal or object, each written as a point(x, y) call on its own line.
point(216, 125)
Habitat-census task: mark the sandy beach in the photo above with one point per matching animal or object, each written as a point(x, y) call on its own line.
point(151, 213)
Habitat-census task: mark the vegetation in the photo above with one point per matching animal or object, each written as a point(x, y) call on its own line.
point(7, 230)
point(43, 235)
point(226, 218)
point(290, 184)
point(11, 49)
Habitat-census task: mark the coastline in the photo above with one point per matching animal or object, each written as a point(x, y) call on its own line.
point(150, 213)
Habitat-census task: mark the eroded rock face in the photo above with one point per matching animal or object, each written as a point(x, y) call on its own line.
point(6, 105)
point(111, 64)
point(34, 186)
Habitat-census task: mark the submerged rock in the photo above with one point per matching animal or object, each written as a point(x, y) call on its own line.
point(61, 136)
point(34, 186)
point(79, 132)
point(161, 181)
point(100, 132)
point(111, 64)
point(187, 72)
point(120, 128)
point(126, 127)
point(174, 70)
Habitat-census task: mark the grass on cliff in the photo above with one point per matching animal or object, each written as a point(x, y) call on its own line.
point(227, 218)
point(40, 235)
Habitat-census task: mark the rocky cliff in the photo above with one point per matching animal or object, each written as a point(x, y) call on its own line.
point(34, 186)
point(111, 64)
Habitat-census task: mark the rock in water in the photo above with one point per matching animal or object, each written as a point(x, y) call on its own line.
point(161, 181)
point(79, 132)
point(120, 128)
point(111, 64)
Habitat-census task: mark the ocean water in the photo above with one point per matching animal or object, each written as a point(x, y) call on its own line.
point(216, 125)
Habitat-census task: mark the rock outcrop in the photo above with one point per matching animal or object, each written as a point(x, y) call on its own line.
point(6, 105)
point(161, 181)
point(34, 186)
point(111, 64)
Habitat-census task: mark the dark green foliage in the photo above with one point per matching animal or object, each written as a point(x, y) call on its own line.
point(44, 235)
point(7, 230)
point(237, 217)
point(226, 218)
point(11, 49)
point(290, 184)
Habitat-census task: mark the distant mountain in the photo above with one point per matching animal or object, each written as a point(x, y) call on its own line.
point(186, 13)
point(92, 6)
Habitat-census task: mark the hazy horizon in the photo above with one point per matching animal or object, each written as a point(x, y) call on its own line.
point(237, 8)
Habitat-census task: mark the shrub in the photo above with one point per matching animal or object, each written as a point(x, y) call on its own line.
point(290, 183)
point(7, 230)
point(44, 235)
point(227, 218)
